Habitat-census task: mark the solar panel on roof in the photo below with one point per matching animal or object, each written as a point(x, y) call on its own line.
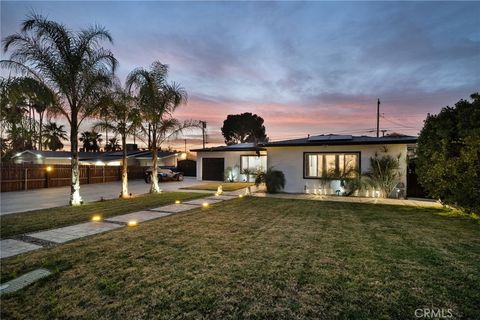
point(330, 137)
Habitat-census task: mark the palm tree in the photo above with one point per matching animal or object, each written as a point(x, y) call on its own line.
point(124, 119)
point(54, 134)
point(157, 101)
point(38, 97)
point(112, 145)
point(91, 141)
point(74, 66)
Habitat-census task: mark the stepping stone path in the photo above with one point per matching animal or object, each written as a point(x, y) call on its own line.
point(202, 201)
point(11, 247)
point(223, 197)
point(140, 216)
point(24, 280)
point(175, 208)
point(66, 234)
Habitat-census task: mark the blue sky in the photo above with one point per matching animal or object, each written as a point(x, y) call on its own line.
point(307, 68)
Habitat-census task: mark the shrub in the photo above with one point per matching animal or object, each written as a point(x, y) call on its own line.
point(273, 179)
point(383, 173)
point(448, 164)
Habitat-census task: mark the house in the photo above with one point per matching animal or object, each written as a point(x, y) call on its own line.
point(228, 162)
point(311, 165)
point(135, 158)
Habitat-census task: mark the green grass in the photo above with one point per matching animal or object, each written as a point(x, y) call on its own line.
point(213, 186)
point(19, 223)
point(261, 258)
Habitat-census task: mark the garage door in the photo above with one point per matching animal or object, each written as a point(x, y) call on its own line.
point(213, 168)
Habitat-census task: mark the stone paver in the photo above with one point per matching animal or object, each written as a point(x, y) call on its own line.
point(11, 247)
point(24, 280)
point(174, 208)
point(66, 234)
point(202, 201)
point(222, 197)
point(139, 216)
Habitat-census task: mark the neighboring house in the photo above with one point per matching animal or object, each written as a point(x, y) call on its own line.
point(45, 157)
point(305, 162)
point(135, 158)
point(228, 162)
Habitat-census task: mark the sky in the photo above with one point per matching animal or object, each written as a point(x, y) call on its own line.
point(305, 67)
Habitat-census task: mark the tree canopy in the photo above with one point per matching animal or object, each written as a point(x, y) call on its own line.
point(449, 155)
point(245, 127)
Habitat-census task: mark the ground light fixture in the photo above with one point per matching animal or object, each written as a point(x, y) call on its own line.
point(49, 169)
point(240, 195)
point(205, 204)
point(177, 201)
point(132, 223)
point(97, 218)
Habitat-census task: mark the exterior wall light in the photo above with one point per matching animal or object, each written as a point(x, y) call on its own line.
point(49, 169)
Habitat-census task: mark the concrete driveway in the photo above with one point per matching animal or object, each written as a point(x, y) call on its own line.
point(19, 201)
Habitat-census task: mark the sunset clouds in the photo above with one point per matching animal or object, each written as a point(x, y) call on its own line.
point(309, 67)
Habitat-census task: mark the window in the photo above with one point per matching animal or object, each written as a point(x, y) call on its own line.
point(331, 165)
point(253, 163)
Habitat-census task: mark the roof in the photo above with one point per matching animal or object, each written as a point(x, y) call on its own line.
point(335, 139)
point(233, 147)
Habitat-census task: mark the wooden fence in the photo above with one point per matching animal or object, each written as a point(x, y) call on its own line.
point(15, 177)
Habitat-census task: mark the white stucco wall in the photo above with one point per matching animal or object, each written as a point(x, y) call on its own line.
point(290, 161)
point(232, 160)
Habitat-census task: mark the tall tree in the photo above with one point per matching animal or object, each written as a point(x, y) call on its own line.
point(54, 134)
point(38, 97)
point(123, 119)
point(157, 101)
point(245, 127)
point(72, 64)
point(448, 163)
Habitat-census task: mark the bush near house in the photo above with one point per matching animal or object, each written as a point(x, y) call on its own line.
point(449, 155)
point(273, 179)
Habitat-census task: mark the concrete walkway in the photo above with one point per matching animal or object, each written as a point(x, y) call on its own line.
point(21, 201)
point(399, 202)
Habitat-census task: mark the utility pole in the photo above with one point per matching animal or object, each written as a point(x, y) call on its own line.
point(204, 127)
point(378, 118)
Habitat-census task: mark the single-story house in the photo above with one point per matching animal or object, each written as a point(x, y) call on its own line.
point(311, 165)
point(135, 158)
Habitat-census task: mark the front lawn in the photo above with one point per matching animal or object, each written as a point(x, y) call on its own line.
point(261, 258)
point(226, 186)
point(18, 223)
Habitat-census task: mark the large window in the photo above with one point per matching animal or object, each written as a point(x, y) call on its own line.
point(331, 165)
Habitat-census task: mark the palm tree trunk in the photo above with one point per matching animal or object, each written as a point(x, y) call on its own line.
point(75, 198)
point(40, 115)
point(154, 188)
point(124, 194)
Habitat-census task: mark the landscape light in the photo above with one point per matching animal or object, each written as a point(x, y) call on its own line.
point(240, 195)
point(49, 169)
point(96, 218)
point(177, 201)
point(205, 204)
point(132, 223)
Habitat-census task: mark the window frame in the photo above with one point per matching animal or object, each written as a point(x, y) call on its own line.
point(306, 153)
